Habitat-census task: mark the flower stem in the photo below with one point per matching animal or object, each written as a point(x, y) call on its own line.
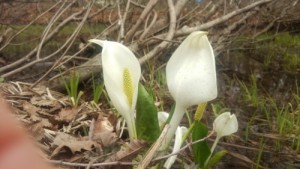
point(212, 149)
point(131, 127)
point(174, 123)
point(190, 129)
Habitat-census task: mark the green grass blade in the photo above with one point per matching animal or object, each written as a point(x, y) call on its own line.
point(215, 159)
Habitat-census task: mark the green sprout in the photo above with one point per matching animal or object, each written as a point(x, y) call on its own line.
point(72, 88)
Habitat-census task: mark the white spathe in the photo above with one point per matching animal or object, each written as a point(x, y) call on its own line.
point(121, 73)
point(225, 124)
point(180, 132)
point(162, 118)
point(191, 72)
point(191, 77)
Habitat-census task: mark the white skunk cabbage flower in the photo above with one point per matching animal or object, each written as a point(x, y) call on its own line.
point(162, 118)
point(180, 132)
point(225, 124)
point(121, 73)
point(191, 76)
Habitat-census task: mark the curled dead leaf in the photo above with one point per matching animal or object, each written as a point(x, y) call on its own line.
point(30, 108)
point(63, 140)
point(128, 151)
point(105, 138)
point(43, 102)
point(102, 125)
point(67, 114)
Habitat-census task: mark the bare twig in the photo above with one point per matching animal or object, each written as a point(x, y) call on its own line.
point(224, 18)
point(169, 36)
point(91, 129)
point(153, 149)
point(162, 23)
point(98, 11)
point(144, 14)
point(138, 5)
point(56, 16)
point(114, 163)
point(148, 28)
point(193, 11)
point(58, 162)
point(69, 42)
point(183, 148)
point(35, 49)
point(122, 20)
point(30, 54)
point(24, 28)
point(187, 30)
point(265, 29)
point(221, 38)
point(179, 5)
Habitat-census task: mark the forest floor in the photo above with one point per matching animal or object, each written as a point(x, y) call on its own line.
point(258, 80)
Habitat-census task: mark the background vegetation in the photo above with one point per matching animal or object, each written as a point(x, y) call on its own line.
point(257, 47)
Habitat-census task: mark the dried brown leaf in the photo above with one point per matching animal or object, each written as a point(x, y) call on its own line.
point(34, 118)
point(63, 140)
point(30, 109)
point(37, 129)
point(43, 102)
point(105, 138)
point(128, 151)
point(103, 132)
point(40, 90)
point(45, 123)
point(103, 125)
point(26, 93)
point(67, 115)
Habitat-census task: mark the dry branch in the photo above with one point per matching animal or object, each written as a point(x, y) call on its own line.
point(143, 16)
point(30, 54)
point(224, 18)
point(152, 29)
point(150, 35)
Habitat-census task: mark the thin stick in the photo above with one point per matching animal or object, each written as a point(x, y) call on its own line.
point(183, 148)
point(56, 16)
point(122, 20)
point(59, 162)
point(30, 54)
point(145, 12)
point(71, 39)
point(147, 28)
point(19, 32)
point(169, 37)
point(14, 64)
point(153, 150)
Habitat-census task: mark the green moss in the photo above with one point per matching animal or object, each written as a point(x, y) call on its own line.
point(31, 37)
point(273, 107)
point(284, 49)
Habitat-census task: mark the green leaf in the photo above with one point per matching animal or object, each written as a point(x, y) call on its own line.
point(146, 116)
point(201, 150)
point(97, 91)
point(215, 159)
point(1, 79)
point(171, 114)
